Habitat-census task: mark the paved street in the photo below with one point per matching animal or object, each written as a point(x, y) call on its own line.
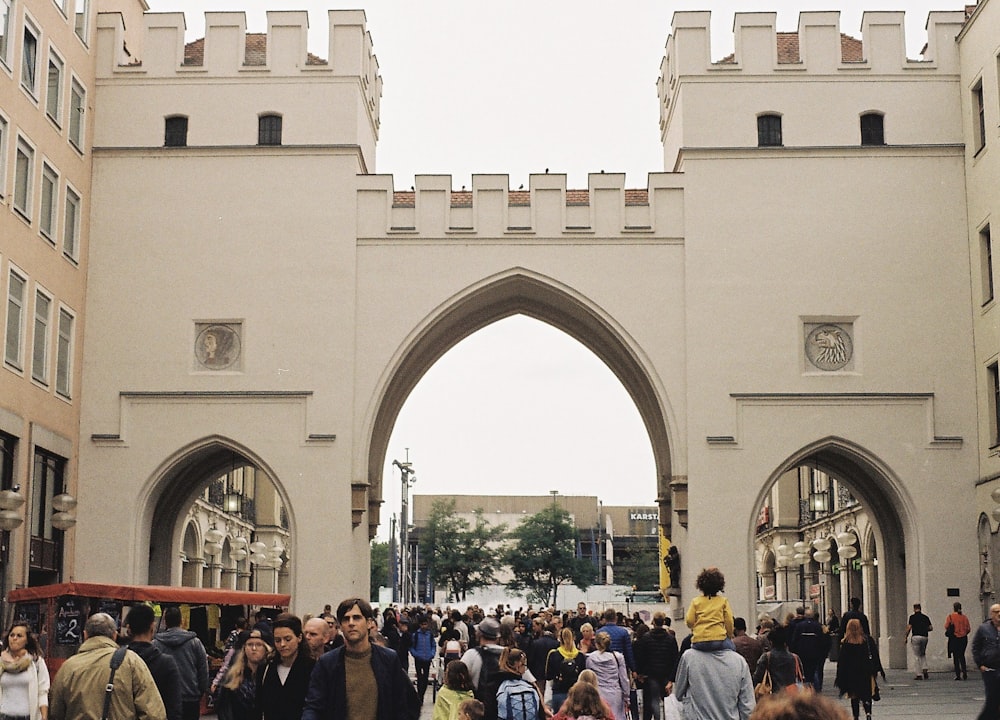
point(940, 698)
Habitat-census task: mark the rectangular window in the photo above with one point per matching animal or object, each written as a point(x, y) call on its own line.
point(83, 20)
point(993, 373)
point(24, 171)
point(29, 60)
point(7, 445)
point(64, 355)
point(986, 263)
point(47, 481)
point(53, 89)
point(77, 108)
point(40, 339)
point(175, 131)
point(769, 130)
point(872, 129)
point(3, 155)
point(5, 39)
point(979, 116)
point(50, 201)
point(71, 224)
point(269, 130)
point(16, 288)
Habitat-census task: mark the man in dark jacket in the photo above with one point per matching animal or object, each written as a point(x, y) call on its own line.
point(192, 661)
point(809, 642)
point(986, 655)
point(656, 664)
point(163, 668)
point(359, 680)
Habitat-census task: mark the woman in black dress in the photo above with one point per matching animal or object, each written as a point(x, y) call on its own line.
point(857, 667)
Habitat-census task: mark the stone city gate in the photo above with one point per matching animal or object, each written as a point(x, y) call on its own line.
point(724, 296)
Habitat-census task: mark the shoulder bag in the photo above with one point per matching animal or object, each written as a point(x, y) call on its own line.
point(116, 661)
point(764, 686)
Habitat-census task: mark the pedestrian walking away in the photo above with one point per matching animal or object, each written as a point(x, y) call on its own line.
point(957, 630)
point(918, 629)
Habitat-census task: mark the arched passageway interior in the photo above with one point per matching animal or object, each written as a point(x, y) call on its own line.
point(520, 292)
point(832, 522)
point(218, 520)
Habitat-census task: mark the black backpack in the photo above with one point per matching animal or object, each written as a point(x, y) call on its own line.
point(489, 682)
point(567, 672)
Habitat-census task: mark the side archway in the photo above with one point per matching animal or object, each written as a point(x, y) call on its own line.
point(519, 291)
point(885, 554)
point(170, 494)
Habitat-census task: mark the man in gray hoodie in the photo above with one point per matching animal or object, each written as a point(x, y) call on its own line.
point(192, 661)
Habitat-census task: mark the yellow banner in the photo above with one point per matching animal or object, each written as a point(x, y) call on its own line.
point(664, 571)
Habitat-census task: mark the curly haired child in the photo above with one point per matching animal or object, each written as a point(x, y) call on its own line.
point(710, 616)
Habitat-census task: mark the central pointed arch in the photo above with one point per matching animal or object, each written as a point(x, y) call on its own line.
point(520, 291)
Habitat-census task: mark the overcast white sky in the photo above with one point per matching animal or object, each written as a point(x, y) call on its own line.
point(517, 87)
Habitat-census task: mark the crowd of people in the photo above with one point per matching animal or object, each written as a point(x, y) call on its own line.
point(495, 664)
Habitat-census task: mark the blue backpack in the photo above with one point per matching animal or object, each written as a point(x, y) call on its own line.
point(517, 700)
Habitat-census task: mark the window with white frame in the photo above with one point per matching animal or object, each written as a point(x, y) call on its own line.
point(71, 224)
point(82, 19)
point(3, 154)
point(50, 202)
point(40, 339)
point(17, 286)
point(5, 23)
point(77, 107)
point(24, 170)
point(53, 89)
point(64, 354)
point(29, 59)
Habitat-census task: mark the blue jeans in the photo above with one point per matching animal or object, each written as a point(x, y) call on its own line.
point(711, 645)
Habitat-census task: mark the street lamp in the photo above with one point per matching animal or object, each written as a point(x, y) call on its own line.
point(822, 556)
point(407, 477)
point(846, 551)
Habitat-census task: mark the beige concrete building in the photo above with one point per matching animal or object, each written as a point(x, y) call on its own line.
point(794, 291)
point(47, 88)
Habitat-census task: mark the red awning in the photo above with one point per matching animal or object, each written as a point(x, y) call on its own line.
point(152, 593)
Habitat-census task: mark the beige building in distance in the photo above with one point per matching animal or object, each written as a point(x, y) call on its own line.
point(801, 297)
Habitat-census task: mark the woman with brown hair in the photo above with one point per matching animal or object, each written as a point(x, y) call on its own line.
point(797, 707)
point(517, 699)
point(857, 667)
point(583, 701)
point(457, 687)
point(24, 679)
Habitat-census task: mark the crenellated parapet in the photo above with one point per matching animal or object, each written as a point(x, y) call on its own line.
point(818, 79)
point(325, 99)
point(817, 46)
point(606, 209)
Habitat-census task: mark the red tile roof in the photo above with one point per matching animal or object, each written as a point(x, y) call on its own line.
point(255, 55)
point(851, 49)
point(517, 198)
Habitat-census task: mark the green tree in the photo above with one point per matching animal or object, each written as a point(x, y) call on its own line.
point(379, 567)
point(543, 556)
point(639, 564)
point(459, 557)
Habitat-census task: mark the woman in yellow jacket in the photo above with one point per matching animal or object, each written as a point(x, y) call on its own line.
point(457, 687)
